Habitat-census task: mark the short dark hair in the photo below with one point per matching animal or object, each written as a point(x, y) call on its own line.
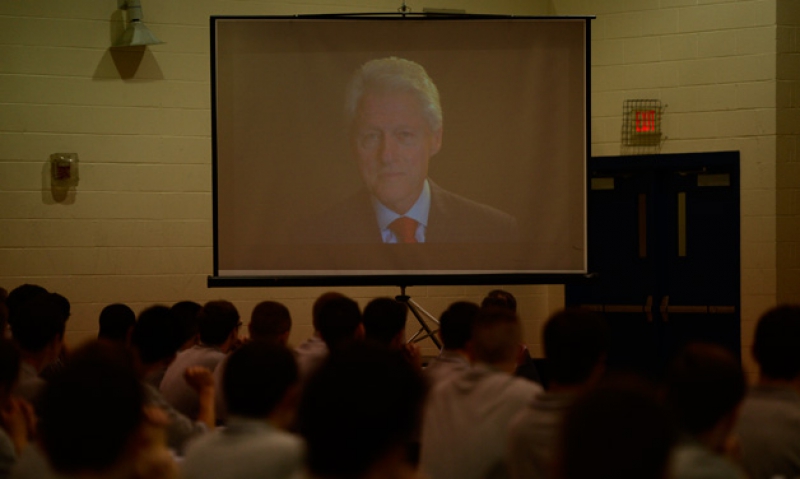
point(19, 296)
point(269, 320)
point(216, 321)
point(185, 313)
point(363, 401)
point(704, 383)
point(775, 344)
point(455, 324)
point(9, 366)
point(618, 430)
point(116, 321)
point(3, 310)
point(496, 335)
point(575, 341)
point(63, 305)
point(319, 302)
point(90, 409)
point(257, 376)
point(499, 298)
point(384, 319)
point(38, 321)
point(338, 319)
point(155, 335)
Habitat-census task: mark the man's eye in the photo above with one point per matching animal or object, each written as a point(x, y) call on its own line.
point(406, 137)
point(370, 140)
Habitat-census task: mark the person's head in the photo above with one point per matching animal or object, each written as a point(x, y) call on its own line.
point(91, 411)
point(257, 378)
point(362, 404)
point(63, 305)
point(319, 302)
point(339, 321)
point(19, 296)
point(39, 326)
point(155, 335)
point(218, 323)
point(9, 369)
point(704, 386)
point(775, 344)
point(385, 321)
point(395, 122)
point(270, 322)
point(185, 313)
point(496, 336)
point(499, 298)
point(455, 325)
point(575, 345)
point(116, 323)
point(3, 312)
point(615, 431)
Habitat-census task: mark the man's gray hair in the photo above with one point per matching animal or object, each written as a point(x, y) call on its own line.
point(394, 74)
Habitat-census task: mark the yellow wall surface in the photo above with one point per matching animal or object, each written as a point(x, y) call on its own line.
point(137, 229)
point(788, 141)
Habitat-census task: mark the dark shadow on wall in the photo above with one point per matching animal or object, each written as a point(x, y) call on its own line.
point(53, 194)
point(125, 63)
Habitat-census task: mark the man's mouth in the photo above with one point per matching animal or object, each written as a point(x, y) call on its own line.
point(390, 174)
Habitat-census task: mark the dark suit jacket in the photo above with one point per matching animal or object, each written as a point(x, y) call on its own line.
point(451, 219)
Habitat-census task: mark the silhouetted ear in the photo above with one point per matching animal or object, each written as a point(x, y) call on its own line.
point(360, 333)
point(470, 349)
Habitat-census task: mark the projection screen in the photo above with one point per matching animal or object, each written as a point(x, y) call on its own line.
point(326, 130)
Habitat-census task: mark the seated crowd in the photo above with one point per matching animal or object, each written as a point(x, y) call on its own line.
point(177, 392)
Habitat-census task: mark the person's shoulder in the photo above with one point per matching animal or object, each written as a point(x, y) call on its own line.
point(525, 387)
point(693, 461)
point(780, 406)
point(210, 356)
point(463, 216)
point(456, 203)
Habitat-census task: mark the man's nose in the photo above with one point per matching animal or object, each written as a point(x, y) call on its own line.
point(388, 150)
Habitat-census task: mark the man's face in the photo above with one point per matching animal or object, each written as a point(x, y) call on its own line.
point(393, 143)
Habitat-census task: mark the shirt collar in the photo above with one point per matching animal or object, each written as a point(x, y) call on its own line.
point(418, 212)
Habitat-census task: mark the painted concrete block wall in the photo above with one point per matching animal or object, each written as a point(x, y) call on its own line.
point(713, 62)
point(788, 163)
point(137, 229)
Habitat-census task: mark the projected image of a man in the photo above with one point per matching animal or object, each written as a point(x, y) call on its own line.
point(395, 125)
point(393, 144)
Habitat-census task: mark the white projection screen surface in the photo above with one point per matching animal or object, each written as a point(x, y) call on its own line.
point(327, 129)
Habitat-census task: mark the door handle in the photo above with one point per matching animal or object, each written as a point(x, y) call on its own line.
point(667, 308)
point(647, 308)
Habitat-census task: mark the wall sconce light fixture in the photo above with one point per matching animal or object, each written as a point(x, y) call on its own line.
point(137, 34)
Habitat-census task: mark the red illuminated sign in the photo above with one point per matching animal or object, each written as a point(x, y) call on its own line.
point(645, 121)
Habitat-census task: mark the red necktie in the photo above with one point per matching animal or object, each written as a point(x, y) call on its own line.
point(404, 229)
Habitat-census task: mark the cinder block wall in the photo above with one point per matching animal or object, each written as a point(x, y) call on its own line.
point(788, 143)
point(137, 229)
point(713, 62)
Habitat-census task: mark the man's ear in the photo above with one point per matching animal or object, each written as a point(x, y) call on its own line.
point(470, 349)
point(398, 340)
point(436, 141)
point(360, 332)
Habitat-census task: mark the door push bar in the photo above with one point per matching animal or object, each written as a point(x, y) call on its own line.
point(664, 308)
